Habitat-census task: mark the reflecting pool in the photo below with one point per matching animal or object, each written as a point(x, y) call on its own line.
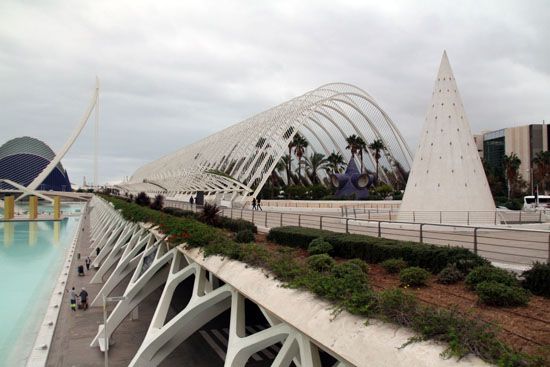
point(31, 257)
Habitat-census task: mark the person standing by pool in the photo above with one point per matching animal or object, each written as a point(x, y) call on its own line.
point(72, 299)
point(87, 262)
point(83, 298)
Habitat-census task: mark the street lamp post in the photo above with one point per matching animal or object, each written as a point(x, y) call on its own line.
point(530, 172)
point(105, 335)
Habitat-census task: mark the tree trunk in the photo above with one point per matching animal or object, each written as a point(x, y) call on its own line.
point(377, 171)
point(289, 164)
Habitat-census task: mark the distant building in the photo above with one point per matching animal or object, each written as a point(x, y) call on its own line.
point(526, 141)
point(23, 159)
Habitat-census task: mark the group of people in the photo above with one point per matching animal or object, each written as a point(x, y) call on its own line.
point(81, 298)
point(256, 204)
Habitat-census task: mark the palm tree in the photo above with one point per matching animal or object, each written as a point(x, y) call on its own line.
point(356, 144)
point(281, 166)
point(377, 146)
point(335, 161)
point(541, 164)
point(287, 135)
point(300, 144)
point(511, 166)
point(314, 163)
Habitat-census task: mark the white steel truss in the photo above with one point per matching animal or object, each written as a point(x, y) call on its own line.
point(158, 265)
point(152, 263)
point(237, 161)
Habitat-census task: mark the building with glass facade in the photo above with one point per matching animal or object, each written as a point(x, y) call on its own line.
point(23, 159)
point(525, 141)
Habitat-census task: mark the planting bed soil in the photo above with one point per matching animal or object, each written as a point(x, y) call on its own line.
point(526, 328)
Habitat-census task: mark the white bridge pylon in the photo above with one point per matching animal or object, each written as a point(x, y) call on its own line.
point(134, 249)
point(94, 104)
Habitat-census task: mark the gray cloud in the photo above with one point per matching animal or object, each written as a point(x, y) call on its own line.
point(173, 72)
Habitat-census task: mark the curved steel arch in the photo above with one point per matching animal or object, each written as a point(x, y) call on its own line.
point(238, 160)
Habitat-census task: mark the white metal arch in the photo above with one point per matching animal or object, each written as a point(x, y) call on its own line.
point(238, 160)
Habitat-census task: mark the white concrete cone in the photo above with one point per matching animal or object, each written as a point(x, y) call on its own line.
point(447, 174)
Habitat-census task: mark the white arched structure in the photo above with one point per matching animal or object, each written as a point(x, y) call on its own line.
point(237, 161)
point(94, 104)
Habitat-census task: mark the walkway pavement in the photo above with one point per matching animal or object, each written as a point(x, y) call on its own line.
point(75, 330)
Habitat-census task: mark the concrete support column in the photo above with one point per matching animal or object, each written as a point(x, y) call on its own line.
point(9, 207)
point(33, 207)
point(56, 208)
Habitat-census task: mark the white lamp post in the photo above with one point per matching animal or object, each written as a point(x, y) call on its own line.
point(105, 335)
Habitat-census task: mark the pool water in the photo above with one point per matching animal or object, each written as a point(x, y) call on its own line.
point(31, 258)
point(46, 208)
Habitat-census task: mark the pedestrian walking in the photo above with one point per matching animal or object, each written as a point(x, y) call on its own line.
point(97, 250)
point(72, 299)
point(191, 200)
point(83, 299)
point(259, 204)
point(253, 203)
point(88, 261)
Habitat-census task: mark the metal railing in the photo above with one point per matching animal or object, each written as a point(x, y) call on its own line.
point(517, 247)
point(446, 217)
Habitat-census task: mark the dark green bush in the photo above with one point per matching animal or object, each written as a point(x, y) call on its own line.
point(537, 279)
point(450, 275)
point(394, 266)
point(143, 199)
point(244, 236)
point(158, 202)
point(361, 264)
point(177, 212)
point(501, 295)
point(489, 273)
point(210, 214)
point(414, 276)
point(397, 306)
point(375, 250)
point(320, 262)
point(295, 236)
point(319, 246)
point(236, 225)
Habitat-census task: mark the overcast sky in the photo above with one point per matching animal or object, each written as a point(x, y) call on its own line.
point(175, 71)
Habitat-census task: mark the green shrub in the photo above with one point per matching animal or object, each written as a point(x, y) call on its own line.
point(489, 274)
point(177, 212)
point(319, 246)
point(394, 266)
point(537, 279)
point(361, 264)
point(210, 214)
point(414, 276)
point(158, 202)
point(143, 199)
point(244, 236)
point(375, 250)
point(295, 236)
point(450, 275)
point(320, 262)
point(397, 306)
point(501, 295)
point(236, 225)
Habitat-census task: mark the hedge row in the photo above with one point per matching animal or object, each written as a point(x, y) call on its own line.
point(375, 250)
point(179, 229)
point(234, 225)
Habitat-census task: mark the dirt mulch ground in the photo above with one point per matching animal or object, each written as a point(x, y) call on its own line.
point(525, 328)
